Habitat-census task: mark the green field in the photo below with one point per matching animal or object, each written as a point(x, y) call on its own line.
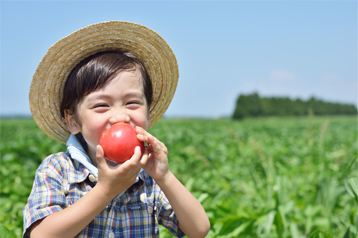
point(276, 177)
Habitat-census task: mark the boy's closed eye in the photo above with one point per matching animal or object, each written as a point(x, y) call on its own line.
point(134, 103)
point(101, 105)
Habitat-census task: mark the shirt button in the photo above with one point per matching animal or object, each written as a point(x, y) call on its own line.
point(150, 209)
point(92, 178)
point(111, 235)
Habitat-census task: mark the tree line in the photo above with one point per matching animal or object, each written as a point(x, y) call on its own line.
point(252, 105)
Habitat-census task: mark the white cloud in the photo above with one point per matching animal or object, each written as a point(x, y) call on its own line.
point(282, 75)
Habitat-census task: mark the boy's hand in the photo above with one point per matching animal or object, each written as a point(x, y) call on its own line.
point(157, 164)
point(114, 179)
point(190, 213)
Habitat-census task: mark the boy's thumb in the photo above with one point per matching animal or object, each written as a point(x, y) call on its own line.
point(100, 154)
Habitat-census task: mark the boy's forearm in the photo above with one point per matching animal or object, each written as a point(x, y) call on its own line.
point(71, 220)
point(190, 213)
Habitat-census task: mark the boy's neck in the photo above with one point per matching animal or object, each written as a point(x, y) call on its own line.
point(92, 156)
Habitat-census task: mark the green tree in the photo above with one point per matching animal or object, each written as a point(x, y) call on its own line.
point(252, 105)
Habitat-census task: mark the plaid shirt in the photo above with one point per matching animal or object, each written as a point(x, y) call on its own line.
point(60, 181)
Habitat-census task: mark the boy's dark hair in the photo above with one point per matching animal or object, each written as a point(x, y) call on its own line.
point(95, 72)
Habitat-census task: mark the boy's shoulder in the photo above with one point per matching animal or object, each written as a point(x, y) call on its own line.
point(62, 165)
point(57, 161)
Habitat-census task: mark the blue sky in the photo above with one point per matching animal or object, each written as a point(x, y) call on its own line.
point(224, 48)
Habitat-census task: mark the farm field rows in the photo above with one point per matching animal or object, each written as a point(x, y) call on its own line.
point(274, 177)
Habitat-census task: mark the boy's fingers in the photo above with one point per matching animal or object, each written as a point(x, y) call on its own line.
point(139, 130)
point(143, 134)
point(101, 160)
point(132, 162)
point(157, 145)
point(142, 138)
point(145, 156)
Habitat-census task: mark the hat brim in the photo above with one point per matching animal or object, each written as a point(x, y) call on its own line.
point(46, 90)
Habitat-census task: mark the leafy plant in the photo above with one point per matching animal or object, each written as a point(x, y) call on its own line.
point(274, 177)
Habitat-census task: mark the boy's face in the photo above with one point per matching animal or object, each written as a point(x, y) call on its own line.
point(121, 100)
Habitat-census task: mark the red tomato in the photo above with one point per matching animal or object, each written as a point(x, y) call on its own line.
point(119, 142)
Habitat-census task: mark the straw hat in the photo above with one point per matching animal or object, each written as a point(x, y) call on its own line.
point(52, 72)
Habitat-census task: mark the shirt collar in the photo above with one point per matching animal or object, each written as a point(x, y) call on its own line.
point(77, 153)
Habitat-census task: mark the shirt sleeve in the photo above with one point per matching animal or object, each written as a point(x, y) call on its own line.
point(47, 195)
point(167, 217)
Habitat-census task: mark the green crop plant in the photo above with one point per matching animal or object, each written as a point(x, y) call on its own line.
point(273, 177)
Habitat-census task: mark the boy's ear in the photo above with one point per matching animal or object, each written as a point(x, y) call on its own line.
point(71, 123)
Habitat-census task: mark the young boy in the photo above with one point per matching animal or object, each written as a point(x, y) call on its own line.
point(107, 73)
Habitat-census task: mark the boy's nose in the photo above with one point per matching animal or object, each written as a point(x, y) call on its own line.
point(119, 117)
